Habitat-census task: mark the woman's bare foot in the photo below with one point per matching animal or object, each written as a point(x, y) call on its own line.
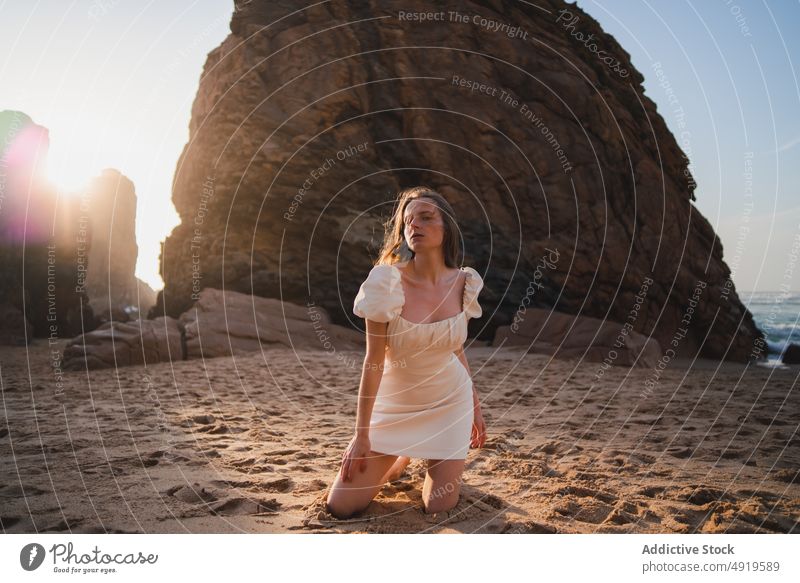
point(397, 469)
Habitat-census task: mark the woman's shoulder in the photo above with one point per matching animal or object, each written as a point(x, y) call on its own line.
point(474, 278)
point(380, 297)
point(382, 270)
point(472, 288)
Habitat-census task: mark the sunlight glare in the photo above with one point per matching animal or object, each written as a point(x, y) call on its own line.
point(70, 167)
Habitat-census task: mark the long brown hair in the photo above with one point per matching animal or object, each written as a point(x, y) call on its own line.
point(394, 238)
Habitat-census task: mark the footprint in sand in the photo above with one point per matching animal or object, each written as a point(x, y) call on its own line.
point(699, 495)
point(248, 506)
point(680, 452)
point(218, 504)
point(250, 466)
point(312, 486)
point(194, 494)
point(651, 491)
point(550, 447)
point(528, 527)
point(280, 485)
point(587, 493)
point(163, 456)
point(519, 467)
point(584, 510)
point(626, 512)
point(594, 507)
point(685, 519)
point(207, 423)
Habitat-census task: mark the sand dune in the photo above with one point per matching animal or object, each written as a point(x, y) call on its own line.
point(251, 445)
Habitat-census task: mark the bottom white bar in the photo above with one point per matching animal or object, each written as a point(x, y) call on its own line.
point(335, 557)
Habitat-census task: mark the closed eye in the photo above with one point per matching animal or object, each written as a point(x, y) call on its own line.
point(424, 216)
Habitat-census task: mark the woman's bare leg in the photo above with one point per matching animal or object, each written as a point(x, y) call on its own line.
point(348, 498)
point(442, 485)
point(397, 469)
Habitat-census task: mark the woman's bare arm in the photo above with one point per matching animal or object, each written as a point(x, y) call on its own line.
point(371, 374)
point(463, 358)
point(478, 434)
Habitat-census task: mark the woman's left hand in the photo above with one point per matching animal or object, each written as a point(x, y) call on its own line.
point(478, 437)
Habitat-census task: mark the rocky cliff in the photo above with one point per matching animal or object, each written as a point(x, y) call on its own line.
point(68, 258)
point(571, 192)
point(44, 241)
point(111, 282)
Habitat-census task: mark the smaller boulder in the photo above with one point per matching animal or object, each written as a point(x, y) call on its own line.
point(567, 336)
point(14, 326)
point(125, 343)
point(224, 323)
point(791, 355)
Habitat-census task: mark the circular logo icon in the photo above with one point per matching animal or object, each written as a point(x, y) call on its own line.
point(31, 556)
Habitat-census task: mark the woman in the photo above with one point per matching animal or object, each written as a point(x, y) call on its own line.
point(416, 397)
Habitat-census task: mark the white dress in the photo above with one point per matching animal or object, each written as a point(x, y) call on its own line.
point(423, 408)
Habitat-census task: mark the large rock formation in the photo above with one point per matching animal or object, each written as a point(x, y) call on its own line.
point(111, 283)
point(307, 122)
point(44, 241)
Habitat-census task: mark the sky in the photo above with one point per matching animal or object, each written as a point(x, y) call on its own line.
point(725, 76)
point(114, 81)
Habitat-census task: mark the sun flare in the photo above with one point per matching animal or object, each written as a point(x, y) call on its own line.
point(69, 170)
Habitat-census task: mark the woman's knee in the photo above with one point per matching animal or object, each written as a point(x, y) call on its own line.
point(434, 505)
point(441, 497)
point(351, 497)
point(343, 501)
point(340, 505)
point(338, 509)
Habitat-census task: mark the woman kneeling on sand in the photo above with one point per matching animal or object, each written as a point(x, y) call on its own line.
point(416, 303)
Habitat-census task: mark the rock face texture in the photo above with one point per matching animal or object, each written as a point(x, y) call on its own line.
point(15, 329)
point(307, 121)
point(218, 324)
point(111, 281)
point(583, 337)
point(224, 323)
point(44, 241)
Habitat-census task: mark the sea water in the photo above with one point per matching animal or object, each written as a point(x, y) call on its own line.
point(777, 314)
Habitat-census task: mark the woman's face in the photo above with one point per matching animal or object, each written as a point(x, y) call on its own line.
point(423, 226)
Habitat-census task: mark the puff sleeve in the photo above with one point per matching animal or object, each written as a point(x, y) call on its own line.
point(472, 288)
point(380, 297)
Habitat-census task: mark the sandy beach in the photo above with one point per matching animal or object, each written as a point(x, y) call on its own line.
point(251, 444)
